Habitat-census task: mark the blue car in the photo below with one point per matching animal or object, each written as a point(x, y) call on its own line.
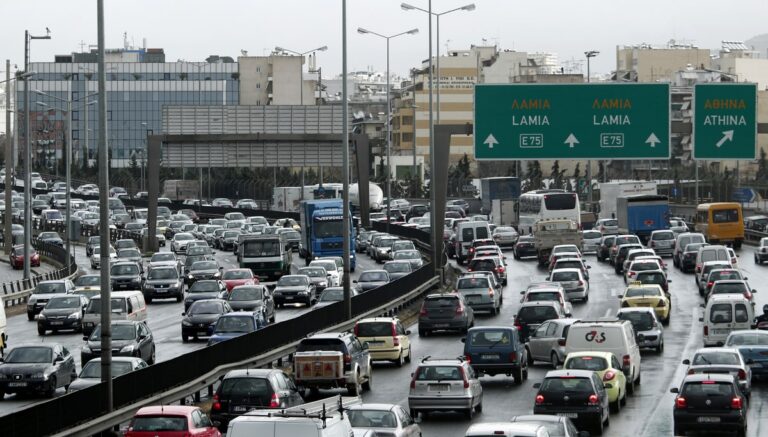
point(753, 346)
point(232, 325)
point(496, 350)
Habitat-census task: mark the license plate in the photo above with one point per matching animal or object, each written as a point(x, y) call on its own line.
point(161, 290)
point(708, 420)
point(288, 297)
point(569, 415)
point(239, 409)
point(56, 323)
point(439, 387)
point(490, 356)
point(17, 384)
point(441, 325)
point(721, 331)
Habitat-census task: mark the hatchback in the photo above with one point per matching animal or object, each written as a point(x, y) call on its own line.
point(129, 339)
point(573, 281)
point(445, 385)
point(63, 311)
point(579, 395)
point(171, 421)
point(608, 369)
point(199, 319)
point(662, 242)
point(480, 292)
point(604, 249)
point(649, 332)
point(532, 314)
point(592, 240)
point(492, 264)
point(709, 402)
point(724, 360)
point(445, 312)
point(387, 339)
point(235, 324)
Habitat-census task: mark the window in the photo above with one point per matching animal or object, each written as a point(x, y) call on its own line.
point(109, 115)
point(721, 313)
point(76, 134)
point(557, 202)
point(725, 215)
point(75, 115)
point(741, 313)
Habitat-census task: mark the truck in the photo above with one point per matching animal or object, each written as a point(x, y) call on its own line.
point(503, 212)
point(642, 214)
point(286, 198)
point(322, 235)
point(501, 188)
point(267, 256)
point(611, 191)
point(375, 197)
point(176, 189)
point(553, 232)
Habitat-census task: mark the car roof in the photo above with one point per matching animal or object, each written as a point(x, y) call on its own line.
point(604, 354)
point(538, 418)
point(170, 410)
point(55, 295)
point(379, 407)
point(569, 372)
point(379, 319)
point(717, 349)
point(636, 310)
point(567, 270)
point(535, 303)
point(727, 297)
point(255, 373)
point(698, 377)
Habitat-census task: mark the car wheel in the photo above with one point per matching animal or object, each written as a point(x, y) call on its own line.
point(400, 359)
point(2, 394)
point(517, 374)
point(151, 359)
point(742, 432)
point(414, 414)
point(529, 357)
point(272, 319)
point(678, 430)
point(598, 426)
point(354, 389)
point(148, 300)
point(40, 330)
point(615, 407)
point(422, 332)
point(408, 357)
point(184, 338)
point(469, 413)
point(660, 347)
point(368, 384)
point(630, 388)
point(479, 407)
point(30, 316)
point(555, 360)
point(52, 389)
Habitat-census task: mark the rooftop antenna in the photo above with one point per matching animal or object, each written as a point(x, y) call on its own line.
point(125, 40)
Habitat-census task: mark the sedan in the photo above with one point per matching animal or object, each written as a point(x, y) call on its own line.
point(505, 236)
point(235, 324)
point(293, 289)
point(382, 419)
point(332, 295)
point(129, 339)
point(234, 277)
point(204, 289)
point(397, 269)
point(39, 368)
point(371, 279)
point(252, 298)
point(165, 259)
point(203, 270)
point(722, 360)
point(91, 373)
point(318, 275)
point(17, 257)
point(180, 241)
point(96, 257)
point(63, 311)
point(201, 316)
point(50, 238)
point(752, 344)
point(412, 256)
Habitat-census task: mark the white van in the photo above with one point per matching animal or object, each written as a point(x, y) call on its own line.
point(711, 253)
point(608, 336)
point(321, 418)
point(126, 305)
point(465, 233)
point(725, 313)
point(683, 240)
point(507, 429)
point(3, 323)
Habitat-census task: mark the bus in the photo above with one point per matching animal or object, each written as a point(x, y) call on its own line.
point(547, 204)
point(721, 223)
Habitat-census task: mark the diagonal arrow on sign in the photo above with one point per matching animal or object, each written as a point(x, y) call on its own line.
point(490, 141)
point(727, 136)
point(652, 140)
point(571, 140)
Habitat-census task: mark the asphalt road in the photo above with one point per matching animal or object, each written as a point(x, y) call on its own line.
point(164, 319)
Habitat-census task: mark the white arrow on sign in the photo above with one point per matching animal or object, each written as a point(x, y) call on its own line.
point(490, 141)
point(571, 140)
point(727, 136)
point(653, 140)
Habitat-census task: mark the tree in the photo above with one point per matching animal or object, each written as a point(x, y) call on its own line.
point(556, 176)
point(577, 172)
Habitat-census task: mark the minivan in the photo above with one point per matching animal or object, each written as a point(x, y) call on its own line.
point(713, 252)
point(725, 313)
point(683, 240)
point(126, 305)
point(608, 336)
point(466, 232)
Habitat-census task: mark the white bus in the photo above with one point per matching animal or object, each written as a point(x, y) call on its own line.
point(547, 204)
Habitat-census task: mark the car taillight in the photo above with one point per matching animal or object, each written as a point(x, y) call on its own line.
point(469, 269)
point(216, 404)
point(517, 324)
point(661, 304)
point(748, 295)
point(471, 249)
point(356, 331)
point(609, 375)
point(742, 374)
point(653, 244)
point(500, 269)
point(459, 310)
point(691, 372)
point(736, 403)
point(464, 377)
point(581, 283)
point(395, 338)
point(631, 274)
point(710, 283)
point(413, 382)
point(275, 401)
point(468, 358)
point(625, 360)
point(706, 330)
point(698, 268)
point(423, 311)
point(347, 358)
point(561, 342)
point(733, 260)
point(593, 400)
point(539, 399)
point(680, 402)
point(491, 292)
point(513, 356)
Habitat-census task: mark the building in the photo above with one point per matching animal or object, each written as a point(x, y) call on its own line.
point(647, 63)
point(278, 79)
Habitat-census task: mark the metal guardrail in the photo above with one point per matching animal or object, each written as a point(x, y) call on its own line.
point(17, 292)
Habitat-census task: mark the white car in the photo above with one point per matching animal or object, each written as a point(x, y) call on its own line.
point(165, 259)
point(591, 241)
point(383, 419)
point(96, 256)
point(180, 241)
point(334, 279)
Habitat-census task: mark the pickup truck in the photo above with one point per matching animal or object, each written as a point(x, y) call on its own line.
point(553, 232)
point(333, 360)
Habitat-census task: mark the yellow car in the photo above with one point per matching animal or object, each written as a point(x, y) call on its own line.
point(387, 339)
point(608, 368)
point(647, 295)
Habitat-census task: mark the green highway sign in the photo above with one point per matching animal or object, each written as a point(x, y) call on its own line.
point(572, 121)
point(724, 121)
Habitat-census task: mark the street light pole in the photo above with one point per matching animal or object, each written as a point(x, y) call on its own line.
point(345, 216)
point(589, 54)
point(389, 116)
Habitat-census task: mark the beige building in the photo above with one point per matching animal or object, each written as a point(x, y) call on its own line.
point(646, 63)
point(275, 80)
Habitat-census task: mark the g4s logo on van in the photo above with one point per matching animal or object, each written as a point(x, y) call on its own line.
point(597, 337)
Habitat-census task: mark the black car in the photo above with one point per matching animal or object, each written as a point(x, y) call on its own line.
point(604, 249)
point(62, 312)
point(317, 275)
point(227, 240)
point(293, 289)
point(621, 255)
point(577, 394)
point(709, 402)
point(204, 289)
point(688, 260)
point(398, 269)
point(371, 279)
point(38, 206)
point(524, 247)
point(129, 339)
point(416, 211)
point(130, 254)
point(202, 269)
point(243, 390)
point(199, 319)
point(125, 275)
point(163, 282)
point(199, 250)
point(50, 238)
point(39, 368)
point(292, 239)
point(252, 298)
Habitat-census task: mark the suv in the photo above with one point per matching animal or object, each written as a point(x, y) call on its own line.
point(480, 292)
point(577, 394)
point(603, 250)
point(445, 311)
point(125, 275)
point(709, 402)
point(681, 242)
point(532, 314)
point(163, 283)
point(494, 350)
point(662, 242)
point(243, 390)
point(492, 264)
point(621, 255)
point(42, 293)
point(387, 339)
point(357, 362)
point(445, 385)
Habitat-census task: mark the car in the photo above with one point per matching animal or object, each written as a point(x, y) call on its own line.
point(722, 360)
point(709, 402)
point(761, 252)
point(43, 291)
point(477, 243)
point(204, 289)
point(604, 248)
point(480, 292)
point(234, 277)
point(243, 390)
point(228, 239)
point(334, 278)
point(50, 238)
point(317, 275)
point(202, 270)
point(547, 342)
point(640, 265)
point(38, 368)
point(607, 226)
point(162, 282)
point(731, 286)
point(199, 319)
point(361, 241)
point(687, 258)
point(608, 369)
point(657, 277)
point(524, 248)
point(682, 240)
point(630, 241)
point(96, 257)
point(381, 247)
point(632, 254)
point(170, 421)
point(531, 315)
point(579, 395)
point(180, 241)
point(39, 205)
point(357, 371)
point(17, 257)
point(387, 339)
point(651, 296)
point(235, 324)
point(445, 385)
point(568, 262)
point(252, 298)
point(648, 329)
point(564, 248)
point(678, 226)
point(125, 243)
point(554, 293)
point(662, 242)
point(753, 346)
point(494, 350)
point(125, 275)
point(332, 295)
point(87, 285)
point(382, 419)
point(130, 254)
point(412, 256)
point(445, 312)
point(90, 375)
point(130, 338)
point(505, 236)
point(492, 264)
point(573, 281)
point(294, 289)
point(397, 269)
point(62, 312)
point(705, 269)
point(591, 241)
point(556, 425)
point(165, 259)
point(371, 279)
point(292, 239)
point(416, 211)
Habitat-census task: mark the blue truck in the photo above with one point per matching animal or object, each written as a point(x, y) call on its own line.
point(642, 214)
point(322, 230)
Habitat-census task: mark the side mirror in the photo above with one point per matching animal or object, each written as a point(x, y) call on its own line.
point(754, 291)
point(522, 292)
point(619, 296)
point(687, 362)
point(668, 281)
point(537, 385)
point(589, 267)
point(750, 361)
point(674, 390)
point(355, 281)
point(58, 359)
point(464, 340)
point(408, 332)
point(183, 314)
point(701, 319)
point(365, 346)
point(85, 338)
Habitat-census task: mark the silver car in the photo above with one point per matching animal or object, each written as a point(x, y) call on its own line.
point(591, 241)
point(722, 360)
point(445, 385)
point(662, 242)
point(649, 332)
point(413, 256)
point(383, 419)
point(547, 342)
point(480, 292)
point(573, 281)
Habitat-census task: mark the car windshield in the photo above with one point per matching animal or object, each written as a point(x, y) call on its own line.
point(93, 369)
point(728, 287)
point(234, 324)
point(748, 339)
point(162, 274)
point(373, 277)
point(29, 354)
point(586, 363)
point(407, 254)
point(439, 373)
point(258, 248)
point(313, 272)
point(472, 283)
point(592, 235)
point(568, 264)
point(206, 308)
point(395, 267)
point(50, 287)
point(246, 293)
point(709, 358)
point(707, 389)
point(329, 266)
point(204, 286)
point(128, 253)
point(335, 295)
point(183, 237)
point(536, 314)
point(651, 278)
point(119, 332)
point(372, 418)
point(540, 296)
point(724, 274)
point(293, 281)
point(666, 235)
point(488, 337)
point(231, 234)
point(204, 265)
point(644, 266)
point(58, 303)
point(125, 269)
point(641, 321)
point(160, 257)
point(88, 280)
point(641, 291)
point(47, 235)
point(374, 329)
point(159, 423)
point(566, 384)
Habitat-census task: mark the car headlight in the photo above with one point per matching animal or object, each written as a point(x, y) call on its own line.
point(32, 301)
point(217, 274)
point(127, 349)
point(303, 292)
point(3, 377)
point(41, 316)
point(149, 287)
point(322, 284)
point(39, 375)
point(186, 322)
point(191, 276)
point(86, 350)
point(76, 315)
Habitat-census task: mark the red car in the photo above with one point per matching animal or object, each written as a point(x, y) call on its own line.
point(17, 257)
point(171, 421)
point(234, 277)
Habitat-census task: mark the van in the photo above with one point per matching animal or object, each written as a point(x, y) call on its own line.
point(3, 323)
point(725, 313)
point(323, 418)
point(721, 222)
point(126, 305)
point(683, 240)
point(506, 429)
point(711, 253)
point(616, 336)
point(466, 232)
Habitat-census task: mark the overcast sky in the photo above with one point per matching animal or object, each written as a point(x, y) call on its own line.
point(194, 29)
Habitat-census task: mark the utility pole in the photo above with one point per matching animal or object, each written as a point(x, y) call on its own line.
point(7, 237)
point(345, 216)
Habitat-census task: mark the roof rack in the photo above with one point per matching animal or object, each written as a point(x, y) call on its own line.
point(601, 320)
point(431, 358)
point(322, 409)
